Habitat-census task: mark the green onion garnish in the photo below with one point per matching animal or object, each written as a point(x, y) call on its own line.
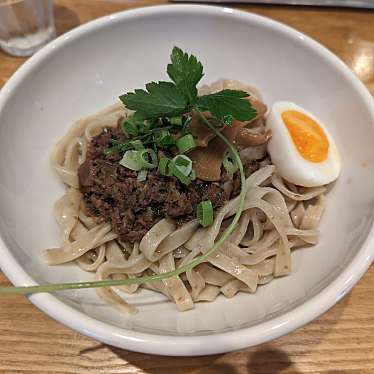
point(175, 170)
point(142, 175)
point(183, 164)
point(205, 213)
point(130, 161)
point(186, 143)
point(138, 160)
point(181, 167)
point(147, 158)
point(163, 165)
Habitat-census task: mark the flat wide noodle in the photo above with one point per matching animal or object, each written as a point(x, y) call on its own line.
point(154, 237)
point(277, 217)
point(176, 288)
point(176, 239)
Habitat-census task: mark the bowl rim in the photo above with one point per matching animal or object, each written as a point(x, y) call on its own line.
point(199, 344)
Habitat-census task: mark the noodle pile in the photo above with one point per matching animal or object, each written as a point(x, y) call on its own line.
point(277, 217)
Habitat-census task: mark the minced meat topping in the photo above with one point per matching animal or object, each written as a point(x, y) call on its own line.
point(112, 193)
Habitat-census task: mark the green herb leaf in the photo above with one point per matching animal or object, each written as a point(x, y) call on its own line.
point(162, 99)
point(227, 104)
point(186, 72)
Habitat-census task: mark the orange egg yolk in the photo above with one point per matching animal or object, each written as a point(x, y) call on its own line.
point(307, 135)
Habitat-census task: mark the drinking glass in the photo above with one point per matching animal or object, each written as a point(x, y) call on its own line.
point(25, 25)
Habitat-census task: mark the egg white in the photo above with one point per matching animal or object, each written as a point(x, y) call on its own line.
point(288, 161)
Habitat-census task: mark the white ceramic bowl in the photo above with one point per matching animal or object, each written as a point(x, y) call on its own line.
point(84, 71)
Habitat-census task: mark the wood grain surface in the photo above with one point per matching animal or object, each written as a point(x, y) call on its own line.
point(340, 341)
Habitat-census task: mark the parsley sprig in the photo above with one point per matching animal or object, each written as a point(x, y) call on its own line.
point(227, 105)
point(164, 100)
point(186, 72)
point(161, 99)
point(164, 107)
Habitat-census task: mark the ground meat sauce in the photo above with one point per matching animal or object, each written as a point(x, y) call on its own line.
point(113, 194)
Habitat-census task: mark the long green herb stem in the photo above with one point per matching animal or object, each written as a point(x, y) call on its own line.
point(156, 277)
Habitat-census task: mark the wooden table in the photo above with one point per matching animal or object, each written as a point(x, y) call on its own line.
point(341, 341)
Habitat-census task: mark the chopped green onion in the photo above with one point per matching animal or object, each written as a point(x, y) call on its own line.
point(205, 213)
point(177, 121)
point(142, 175)
point(131, 161)
point(137, 144)
point(147, 158)
point(180, 167)
point(183, 164)
point(141, 159)
point(163, 139)
point(169, 172)
point(163, 165)
point(186, 143)
point(179, 174)
point(230, 166)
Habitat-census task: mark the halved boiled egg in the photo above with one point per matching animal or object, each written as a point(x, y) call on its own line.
point(301, 147)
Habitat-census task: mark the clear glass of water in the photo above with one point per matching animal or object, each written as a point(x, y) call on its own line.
point(25, 25)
